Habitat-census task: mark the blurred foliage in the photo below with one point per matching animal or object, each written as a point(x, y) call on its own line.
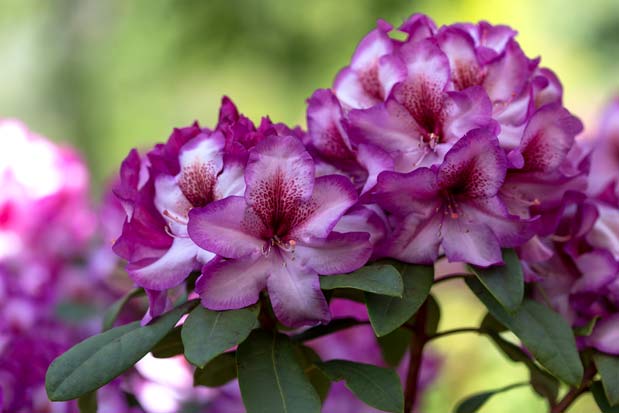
point(110, 75)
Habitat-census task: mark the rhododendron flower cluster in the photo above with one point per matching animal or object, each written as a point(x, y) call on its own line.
point(449, 142)
point(420, 106)
point(301, 265)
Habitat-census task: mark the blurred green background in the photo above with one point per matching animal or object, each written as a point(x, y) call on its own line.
point(107, 76)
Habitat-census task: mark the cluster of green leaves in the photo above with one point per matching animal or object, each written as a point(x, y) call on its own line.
point(278, 373)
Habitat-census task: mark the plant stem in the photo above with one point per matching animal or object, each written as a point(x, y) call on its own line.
point(453, 276)
point(456, 331)
point(418, 342)
point(571, 396)
point(265, 317)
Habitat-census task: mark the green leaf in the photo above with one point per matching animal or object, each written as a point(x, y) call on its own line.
point(348, 294)
point(206, 334)
point(490, 323)
point(508, 348)
point(377, 386)
point(113, 312)
point(587, 329)
point(393, 346)
point(473, 403)
point(217, 372)
point(334, 326)
point(308, 359)
point(600, 398)
point(381, 279)
point(101, 358)
point(504, 282)
point(270, 377)
point(88, 403)
point(433, 316)
point(543, 332)
point(169, 346)
point(608, 367)
point(388, 313)
point(543, 383)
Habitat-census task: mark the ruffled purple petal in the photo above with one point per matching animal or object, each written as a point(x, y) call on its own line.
point(470, 241)
point(375, 161)
point(227, 285)
point(421, 93)
point(548, 137)
point(324, 115)
point(459, 47)
point(332, 196)
point(605, 335)
point(295, 294)
point(598, 269)
point(465, 111)
point(418, 26)
point(168, 270)
point(416, 239)
point(279, 177)
point(336, 254)
point(402, 194)
point(507, 76)
point(227, 228)
point(475, 166)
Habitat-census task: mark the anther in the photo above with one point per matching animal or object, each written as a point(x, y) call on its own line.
point(174, 218)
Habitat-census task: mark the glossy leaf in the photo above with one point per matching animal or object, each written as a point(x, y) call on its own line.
point(608, 367)
point(543, 332)
point(543, 383)
point(114, 311)
point(504, 282)
point(388, 313)
point(377, 386)
point(308, 359)
point(433, 315)
point(599, 395)
point(473, 403)
point(101, 358)
point(270, 377)
point(381, 279)
point(206, 334)
point(334, 326)
point(217, 372)
point(169, 346)
point(393, 346)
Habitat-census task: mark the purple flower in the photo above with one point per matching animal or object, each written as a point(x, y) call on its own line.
point(402, 105)
point(581, 277)
point(576, 268)
point(278, 235)
point(48, 223)
point(605, 157)
point(330, 143)
point(44, 205)
point(194, 168)
point(453, 207)
point(544, 167)
point(367, 81)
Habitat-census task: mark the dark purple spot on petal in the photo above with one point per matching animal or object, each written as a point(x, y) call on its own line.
point(371, 83)
point(197, 182)
point(466, 75)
